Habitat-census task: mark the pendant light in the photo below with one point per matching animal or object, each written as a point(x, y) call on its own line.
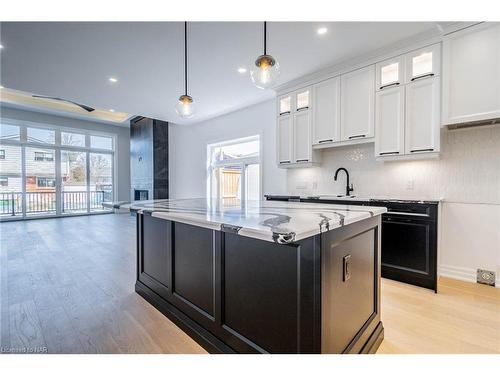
point(266, 69)
point(185, 106)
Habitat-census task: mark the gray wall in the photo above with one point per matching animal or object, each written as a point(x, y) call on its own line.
point(122, 140)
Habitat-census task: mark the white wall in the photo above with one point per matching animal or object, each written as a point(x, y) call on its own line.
point(122, 140)
point(188, 149)
point(467, 177)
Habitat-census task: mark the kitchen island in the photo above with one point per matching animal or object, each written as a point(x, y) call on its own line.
point(263, 276)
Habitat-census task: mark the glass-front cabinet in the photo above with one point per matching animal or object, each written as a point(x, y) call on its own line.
point(390, 73)
point(285, 105)
point(423, 63)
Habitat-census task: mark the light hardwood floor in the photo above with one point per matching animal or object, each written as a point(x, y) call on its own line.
point(68, 285)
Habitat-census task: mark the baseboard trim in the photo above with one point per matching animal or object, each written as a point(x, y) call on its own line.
point(463, 274)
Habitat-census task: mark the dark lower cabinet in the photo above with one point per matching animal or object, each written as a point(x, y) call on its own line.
point(235, 294)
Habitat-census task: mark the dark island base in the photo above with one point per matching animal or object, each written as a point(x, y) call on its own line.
point(210, 342)
point(234, 294)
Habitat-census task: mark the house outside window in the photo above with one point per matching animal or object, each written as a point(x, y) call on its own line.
point(234, 170)
point(2, 154)
point(4, 181)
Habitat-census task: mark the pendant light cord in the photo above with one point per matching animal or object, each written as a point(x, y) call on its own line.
point(185, 59)
point(265, 41)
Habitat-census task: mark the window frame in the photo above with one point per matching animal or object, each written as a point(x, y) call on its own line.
point(57, 147)
point(4, 179)
point(2, 154)
point(243, 163)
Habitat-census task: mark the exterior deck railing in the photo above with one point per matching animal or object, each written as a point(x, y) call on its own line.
point(11, 203)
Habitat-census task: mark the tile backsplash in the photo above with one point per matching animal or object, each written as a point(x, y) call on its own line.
point(468, 171)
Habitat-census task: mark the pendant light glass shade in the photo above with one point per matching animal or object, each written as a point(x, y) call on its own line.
point(185, 107)
point(265, 72)
point(266, 69)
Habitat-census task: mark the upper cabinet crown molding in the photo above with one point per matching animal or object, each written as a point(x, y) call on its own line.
point(471, 75)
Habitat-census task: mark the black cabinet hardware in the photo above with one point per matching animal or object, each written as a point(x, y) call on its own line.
point(389, 153)
point(301, 160)
point(284, 113)
point(423, 150)
point(389, 85)
point(302, 109)
point(285, 162)
point(357, 136)
point(422, 76)
point(325, 140)
point(407, 214)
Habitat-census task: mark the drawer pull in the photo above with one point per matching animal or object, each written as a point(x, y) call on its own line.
point(301, 160)
point(422, 76)
point(423, 150)
point(302, 109)
point(389, 153)
point(389, 85)
point(357, 136)
point(284, 113)
point(285, 162)
point(325, 140)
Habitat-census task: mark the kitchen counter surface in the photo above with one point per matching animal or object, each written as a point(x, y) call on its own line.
point(355, 198)
point(274, 221)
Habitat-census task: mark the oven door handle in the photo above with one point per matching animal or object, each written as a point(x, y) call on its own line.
point(407, 214)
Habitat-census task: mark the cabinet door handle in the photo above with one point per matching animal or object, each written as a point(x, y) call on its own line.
point(284, 113)
point(357, 136)
point(389, 153)
point(423, 150)
point(302, 109)
point(285, 162)
point(389, 85)
point(325, 140)
point(422, 76)
point(301, 160)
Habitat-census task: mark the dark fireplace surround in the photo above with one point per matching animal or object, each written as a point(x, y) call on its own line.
point(148, 159)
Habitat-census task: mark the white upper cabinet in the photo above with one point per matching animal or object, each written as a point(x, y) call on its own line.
point(302, 137)
point(284, 139)
point(390, 73)
point(326, 111)
point(302, 99)
point(423, 63)
point(357, 90)
point(285, 105)
point(390, 121)
point(471, 75)
point(422, 116)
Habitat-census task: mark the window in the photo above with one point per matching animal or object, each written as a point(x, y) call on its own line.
point(39, 135)
point(4, 181)
point(44, 156)
point(2, 154)
point(9, 132)
point(72, 139)
point(44, 182)
point(104, 143)
point(234, 170)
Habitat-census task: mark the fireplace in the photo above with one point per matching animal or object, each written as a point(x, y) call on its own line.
point(141, 195)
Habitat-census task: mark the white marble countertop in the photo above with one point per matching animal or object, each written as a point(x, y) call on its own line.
point(280, 222)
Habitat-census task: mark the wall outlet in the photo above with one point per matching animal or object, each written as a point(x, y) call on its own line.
point(409, 185)
point(485, 277)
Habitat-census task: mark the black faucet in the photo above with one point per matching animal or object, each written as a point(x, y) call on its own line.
point(348, 188)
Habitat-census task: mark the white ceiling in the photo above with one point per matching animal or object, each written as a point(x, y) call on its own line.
point(74, 60)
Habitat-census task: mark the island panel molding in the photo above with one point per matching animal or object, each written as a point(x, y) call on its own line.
point(236, 294)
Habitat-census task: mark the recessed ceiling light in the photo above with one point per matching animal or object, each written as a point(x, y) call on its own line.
point(1, 87)
point(111, 110)
point(1, 46)
point(322, 30)
point(112, 79)
point(242, 70)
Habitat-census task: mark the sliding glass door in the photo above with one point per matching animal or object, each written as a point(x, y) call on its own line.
point(48, 171)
